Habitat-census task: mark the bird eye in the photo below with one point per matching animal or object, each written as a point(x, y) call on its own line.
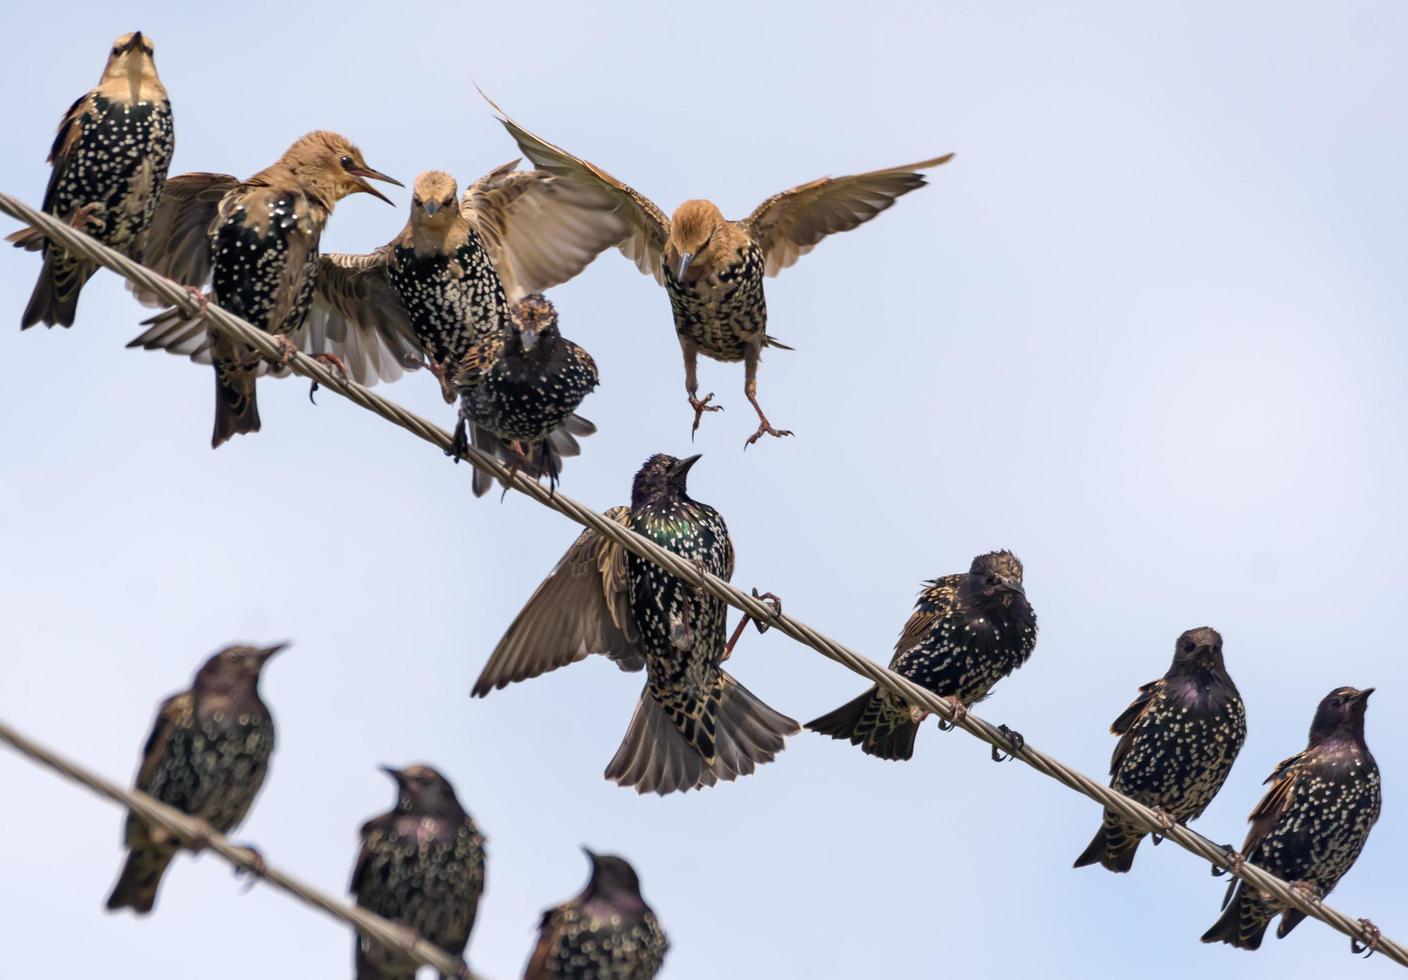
point(346, 163)
point(1188, 646)
point(992, 580)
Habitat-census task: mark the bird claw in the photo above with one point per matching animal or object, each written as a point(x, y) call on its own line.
point(1233, 865)
point(960, 711)
point(773, 600)
point(463, 972)
point(460, 441)
point(334, 362)
point(1372, 939)
point(700, 406)
point(201, 833)
point(257, 868)
point(202, 301)
point(1165, 824)
point(442, 375)
point(1309, 891)
point(1015, 744)
point(765, 429)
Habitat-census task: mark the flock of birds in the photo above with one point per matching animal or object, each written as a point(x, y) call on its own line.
point(459, 291)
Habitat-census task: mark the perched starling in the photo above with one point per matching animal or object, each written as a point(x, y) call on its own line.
point(207, 756)
point(1312, 823)
point(605, 933)
point(110, 159)
point(257, 241)
point(694, 724)
point(713, 268)
point(967, 632)
point(422, 866)
point(530, 395)
point(1178, 742)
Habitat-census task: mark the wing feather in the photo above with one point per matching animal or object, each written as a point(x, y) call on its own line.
point(178, 240)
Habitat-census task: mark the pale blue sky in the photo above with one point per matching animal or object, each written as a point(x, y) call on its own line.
point(1146, 330)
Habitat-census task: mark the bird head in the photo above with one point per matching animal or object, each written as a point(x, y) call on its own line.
point(236, 666)
point(997, 577)
point(613, 879)
point(434, 199)
point(662, 476)
point(694, 232)
point(421, 789)
point(131, 64)
point(536, 320)
point(329, 165)
point(1199, 651)
point(1341, 713)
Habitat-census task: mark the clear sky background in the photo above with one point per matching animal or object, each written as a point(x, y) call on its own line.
point(1146, 330)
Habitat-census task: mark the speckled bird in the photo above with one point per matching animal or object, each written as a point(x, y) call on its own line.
point(713, 268)
point(967, 632)
point(421, 866)
point(523, 408)
point(109, 164)
point(605, 933)
point(257, 242)
point(694, 724)
point(1178, 741)
point(1312, 823)
point(207, 756)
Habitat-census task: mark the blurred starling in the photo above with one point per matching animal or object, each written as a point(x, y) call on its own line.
point(422, 866)
point(110, 159)
point(257, 241)
point(530, 395)
point(1179, 740)
point(967, 632)
point(694, 724)
point(207, 756)
point(713, 268)
point(1312, 823)
point(605, 933)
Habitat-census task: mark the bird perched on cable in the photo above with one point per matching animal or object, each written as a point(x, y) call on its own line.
point(1178, 742)
point(1312, 823)
point(605, 933)
point(458, 271)
point(694, 724)
point(207, 756)
point(967, 632)
point(421, 866)
point(256, 241)
point(713, 268)
point(109, 159)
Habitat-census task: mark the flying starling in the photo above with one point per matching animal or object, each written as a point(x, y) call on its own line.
point(207, 756)
point(967, 632)
point(1312, 823)
point(257, 242)
point(523, 409)
point(605, 933)
point(1178, 742)
point(422, 866)
point(694, 724)
point(110, 159)
point(713, 268)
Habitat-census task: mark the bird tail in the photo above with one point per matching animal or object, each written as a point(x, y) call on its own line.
point(376, 962)
point(236, 408)
point(1113, 846)
point(770, 341)
point(667, 750)
point(141, 875)
point(881, 725)
point(1243, 922)
point(55, 297)
point(544, 459)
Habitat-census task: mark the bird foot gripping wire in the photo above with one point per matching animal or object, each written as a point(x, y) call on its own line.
point(1232, 865)
point(1309, 891)
point(442, 371)
point(1165, 823)
point(200, 835)
point(762, 627)
point(1015, 744)
point(700, 406)
point(257, 868)
point(960, 711)
point(1372, 938)
point(332, 361)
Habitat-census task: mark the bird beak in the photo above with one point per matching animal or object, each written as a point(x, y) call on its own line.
point(685, 259)
point(133, 43)
point(528, 338)
point(431, 207)
point(1363, 695)
point(393, 772)
point(269, 651)
point(1012, 585)
point(370, 174)
point(682, 466)
point(591, 855)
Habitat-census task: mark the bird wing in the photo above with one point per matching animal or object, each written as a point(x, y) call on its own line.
point(178, 239)
point(788, 225)
point(540, 231)
point(375, 827)
point(549, 933)
point(935, 602)
point(1124, 724)
point(1268, 812)
point(60, 155)
point(358, 315)
point(647, 226)
point(581, 608)
point(173, 711)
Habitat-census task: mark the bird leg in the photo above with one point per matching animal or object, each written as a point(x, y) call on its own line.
point(960, 711)
point(334, 362)
point(441, 370)
point(1165, 823)
point(758, 624)
point(750, 388)
point(691, 385)
point(199, 840)
point(1309, 891)
point(257, 868)
point(86, 215)
point(1233, 863)
point(1371, 942)
point(197, 294)
point(1015, 744)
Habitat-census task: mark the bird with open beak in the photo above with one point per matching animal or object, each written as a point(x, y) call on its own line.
point(256, 242)
point(109, 165)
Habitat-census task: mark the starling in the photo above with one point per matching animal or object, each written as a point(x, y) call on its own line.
point(207, 756)
point(605, 933)
point(422, 866)
point(530, 395)
point(967, 632)
point(1178, 742)
point(257, 241)
point(694, 724)
point(713, 268)
point(1312, 823)
point(110, 159)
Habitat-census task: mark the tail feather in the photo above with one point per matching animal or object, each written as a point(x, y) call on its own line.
point(874, 721)
point(55, 297)
point(1113, 846)
point(236, 407)
point(1243, 921)
point(141, 876)
point(544, 459)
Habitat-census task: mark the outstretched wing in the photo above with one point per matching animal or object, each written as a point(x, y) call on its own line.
point(540, 231)
point(647, 226)
point(178, 240)
point(581, 608)
point(788, 225)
